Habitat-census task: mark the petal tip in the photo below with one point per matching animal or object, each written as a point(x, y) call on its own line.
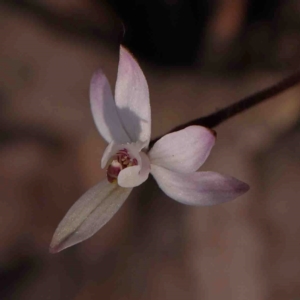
point(214, 133)
point(243, 188)
point(124, 50)
point(240, 188)
point(54, 249)
point(96, 75)
point(57, 245)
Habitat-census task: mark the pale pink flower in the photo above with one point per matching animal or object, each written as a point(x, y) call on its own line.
point(125, 123)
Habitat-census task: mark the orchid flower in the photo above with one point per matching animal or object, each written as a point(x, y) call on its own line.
point(125, 123)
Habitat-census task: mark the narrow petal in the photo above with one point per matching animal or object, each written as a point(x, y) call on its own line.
point(136, 175)
point(132, 98)
point(183, 151)
point(104, 110)
point(92, 211)
point(199, 188)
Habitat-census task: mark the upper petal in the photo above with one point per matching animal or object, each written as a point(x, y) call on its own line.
point(92, 211)
point(104, 110)
point(132, 98)
point(199, 188)
point(183, 151)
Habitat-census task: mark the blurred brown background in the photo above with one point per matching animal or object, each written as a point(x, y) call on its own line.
point(198, 56)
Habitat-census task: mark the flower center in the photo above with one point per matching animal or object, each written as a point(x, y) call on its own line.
point(120, 161)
